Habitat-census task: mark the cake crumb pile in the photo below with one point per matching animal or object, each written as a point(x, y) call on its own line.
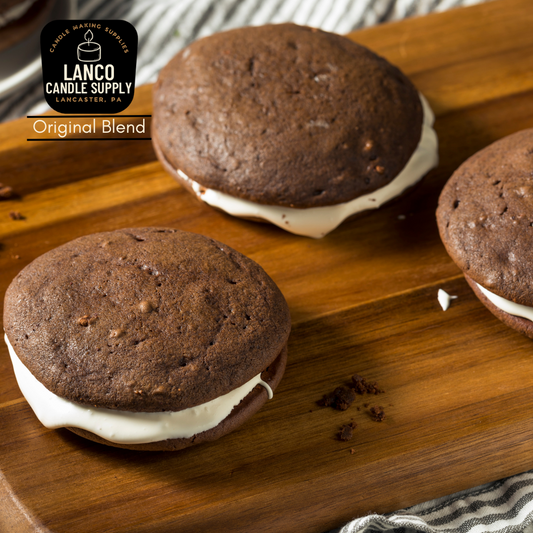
point(344, 396)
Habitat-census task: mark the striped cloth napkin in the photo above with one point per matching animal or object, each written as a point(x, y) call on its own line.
point(166, 26)
point(505, 506)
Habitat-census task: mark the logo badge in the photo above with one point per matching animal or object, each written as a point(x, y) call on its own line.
point(89, 67)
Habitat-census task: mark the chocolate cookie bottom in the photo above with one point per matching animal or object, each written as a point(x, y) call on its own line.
point(314, 221)
point(240, 413)
point(522, 325)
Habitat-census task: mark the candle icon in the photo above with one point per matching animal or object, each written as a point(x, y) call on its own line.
point(89, 51)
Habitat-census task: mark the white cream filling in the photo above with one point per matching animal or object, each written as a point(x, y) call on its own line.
point(15, 12)
point(319, 221)
point(126, 427)
point(507, 306)
point(444, 299)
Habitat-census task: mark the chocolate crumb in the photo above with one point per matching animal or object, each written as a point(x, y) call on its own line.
point(346, 431)
point(352, 451)
point(361, 386)
point(15, 257)
point(327, 400)
point(6, 192)
point(16, 215)
point(341, 398)
point(377, 414)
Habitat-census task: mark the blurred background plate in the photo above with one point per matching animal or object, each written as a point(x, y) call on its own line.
point(21, 63)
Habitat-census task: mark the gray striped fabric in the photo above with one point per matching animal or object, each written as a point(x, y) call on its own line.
point(164, 27)
point(505, 506)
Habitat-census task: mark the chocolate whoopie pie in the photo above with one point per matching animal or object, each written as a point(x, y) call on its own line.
point(292, 125)
point(18, 19)
point(146, 338)
point(485, 219)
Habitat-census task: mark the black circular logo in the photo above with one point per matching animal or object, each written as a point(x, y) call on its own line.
point(89, 67)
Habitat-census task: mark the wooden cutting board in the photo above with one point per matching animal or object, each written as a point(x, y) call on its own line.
point(459, 385)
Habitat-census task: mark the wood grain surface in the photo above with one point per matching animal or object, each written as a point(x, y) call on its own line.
point(459, 384)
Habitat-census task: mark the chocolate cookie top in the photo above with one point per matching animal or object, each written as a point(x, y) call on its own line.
point(145, 319)
point(285, 115)
point(485, 217)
